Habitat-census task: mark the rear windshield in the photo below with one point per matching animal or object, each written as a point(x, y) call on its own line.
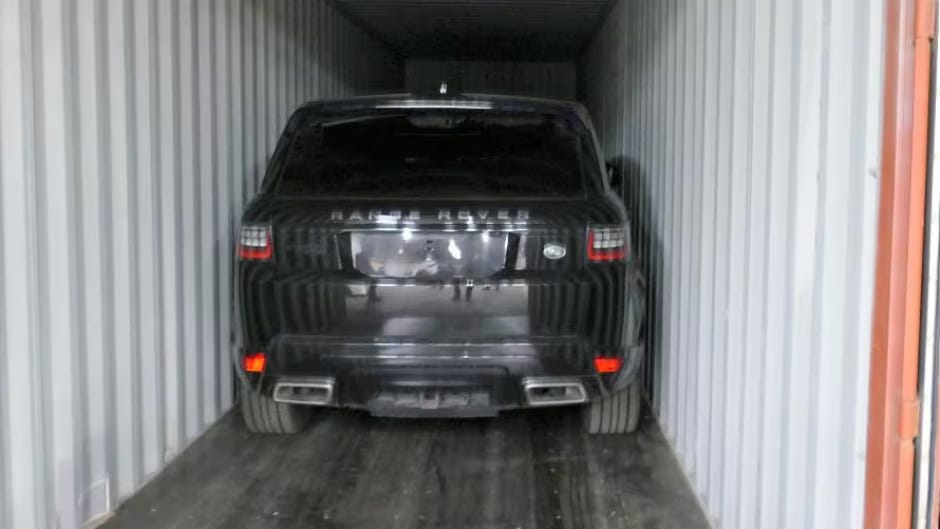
point(438, 152)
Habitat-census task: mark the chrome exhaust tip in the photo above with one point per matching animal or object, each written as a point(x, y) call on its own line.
point(309, 392)
point(553, 391)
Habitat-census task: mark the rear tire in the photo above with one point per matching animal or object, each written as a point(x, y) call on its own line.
point(262, 414)
point(617, 414)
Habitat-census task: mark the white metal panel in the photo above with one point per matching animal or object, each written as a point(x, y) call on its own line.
point(925, 484)
point(131, 134)
point(748, 131)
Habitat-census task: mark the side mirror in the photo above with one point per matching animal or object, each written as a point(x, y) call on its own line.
point(613, 176)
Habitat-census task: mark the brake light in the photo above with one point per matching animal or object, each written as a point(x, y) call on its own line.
point(254, 362)
point(607, 244)
point(607, 365)
point(255, 243)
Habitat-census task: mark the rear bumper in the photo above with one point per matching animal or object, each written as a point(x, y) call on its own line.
point(398, 377)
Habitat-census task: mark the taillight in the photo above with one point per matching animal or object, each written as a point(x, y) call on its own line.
point(254, 362)
point(607, 244)
point(255, 243)
point(607, 364)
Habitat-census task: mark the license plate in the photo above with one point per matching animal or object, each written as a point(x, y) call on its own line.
point(429, 255)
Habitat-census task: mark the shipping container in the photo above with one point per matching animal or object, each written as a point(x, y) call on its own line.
point(769, 149)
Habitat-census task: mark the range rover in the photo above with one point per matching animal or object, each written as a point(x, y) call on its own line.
point(449, 256)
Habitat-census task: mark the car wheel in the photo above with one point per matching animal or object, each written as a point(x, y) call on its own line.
point(618, 413)
point(262, 414)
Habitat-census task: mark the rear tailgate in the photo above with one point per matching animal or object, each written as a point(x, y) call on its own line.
point(432, 271)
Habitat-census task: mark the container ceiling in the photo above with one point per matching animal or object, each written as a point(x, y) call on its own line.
point(548, 30)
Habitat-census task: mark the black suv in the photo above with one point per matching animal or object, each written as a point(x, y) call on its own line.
point(437, 257)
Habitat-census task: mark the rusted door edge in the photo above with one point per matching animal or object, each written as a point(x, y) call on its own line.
point(893, 401)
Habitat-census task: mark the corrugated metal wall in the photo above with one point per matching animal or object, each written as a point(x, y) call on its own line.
point(130, 134)
point(749, 132)
point(557, 80)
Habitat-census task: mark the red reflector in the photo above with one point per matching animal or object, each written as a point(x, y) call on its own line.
point(607, 365)
point(254, 362)
point(255, 254)
point(606, 255)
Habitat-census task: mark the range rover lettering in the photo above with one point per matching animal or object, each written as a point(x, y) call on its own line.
point(441, 257)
